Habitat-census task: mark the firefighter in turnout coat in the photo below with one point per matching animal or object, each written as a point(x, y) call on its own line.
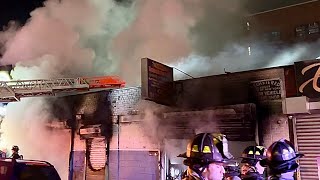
point(281, 160)
point(203, 158)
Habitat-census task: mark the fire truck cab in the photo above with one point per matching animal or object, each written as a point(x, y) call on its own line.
point(11, 169)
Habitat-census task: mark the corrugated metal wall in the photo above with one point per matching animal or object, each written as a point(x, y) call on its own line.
point(308, 142)
point(237, 122)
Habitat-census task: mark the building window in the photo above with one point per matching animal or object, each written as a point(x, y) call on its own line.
point(301, 31)
point(273, 36)
point(313, 28)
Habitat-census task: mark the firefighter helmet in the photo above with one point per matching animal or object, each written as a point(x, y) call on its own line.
point(253, 154)
point(221, 143)
point(201, 150)
point(281, 157)
point(15, 148)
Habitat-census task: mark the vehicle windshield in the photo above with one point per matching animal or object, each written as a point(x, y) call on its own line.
point(28, 172)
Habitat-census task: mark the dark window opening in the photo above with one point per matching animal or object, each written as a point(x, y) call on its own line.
point(301, 31)
point(274, 36)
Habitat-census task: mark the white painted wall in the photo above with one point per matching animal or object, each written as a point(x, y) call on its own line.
point(133, 136)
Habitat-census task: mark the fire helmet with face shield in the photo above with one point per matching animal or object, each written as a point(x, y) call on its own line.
point(281, 157)
point(252, 154)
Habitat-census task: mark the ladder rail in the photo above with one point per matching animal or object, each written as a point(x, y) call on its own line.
point(14, 90)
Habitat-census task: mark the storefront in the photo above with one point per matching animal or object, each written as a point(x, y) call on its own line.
point(304, 111)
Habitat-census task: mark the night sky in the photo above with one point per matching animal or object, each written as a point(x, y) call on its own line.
point(17, 10)
point(20, 9)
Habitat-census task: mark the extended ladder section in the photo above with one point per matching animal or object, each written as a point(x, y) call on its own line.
point(11, 91)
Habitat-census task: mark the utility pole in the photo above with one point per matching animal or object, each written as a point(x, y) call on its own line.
point(74, 127)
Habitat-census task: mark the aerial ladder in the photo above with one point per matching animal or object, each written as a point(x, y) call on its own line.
point(11, 91)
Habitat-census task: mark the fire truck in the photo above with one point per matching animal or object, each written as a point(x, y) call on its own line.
point(12, 91)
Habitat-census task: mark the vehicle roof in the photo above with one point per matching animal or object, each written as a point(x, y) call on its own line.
point(28, 162)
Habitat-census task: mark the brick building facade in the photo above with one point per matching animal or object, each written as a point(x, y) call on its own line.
point(211, 99)
point(287, 25)
point(141, 136)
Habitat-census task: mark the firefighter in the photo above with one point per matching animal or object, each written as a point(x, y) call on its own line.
point(281, 160)
point(203, 159)
point(2, 154)
point(251, 168)
point(232, 171)
point(15, 153)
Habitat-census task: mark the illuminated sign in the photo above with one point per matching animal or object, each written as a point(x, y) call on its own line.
point(157, 82)
point(307, 78)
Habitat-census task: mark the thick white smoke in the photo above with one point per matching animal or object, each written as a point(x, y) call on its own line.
point(67, 38)
point(25, 125)
point(235, 58)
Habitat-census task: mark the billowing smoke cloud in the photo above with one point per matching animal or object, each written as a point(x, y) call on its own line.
point(169, 31)
point(27, 129)
point(235, 58)
point(70, 37)
point(66, 38)
point(160, 32)
point(200, 38)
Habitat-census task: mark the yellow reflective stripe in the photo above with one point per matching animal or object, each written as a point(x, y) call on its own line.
point(258, 153)
point(206, 149)
point(250, 152)
point(195, 148)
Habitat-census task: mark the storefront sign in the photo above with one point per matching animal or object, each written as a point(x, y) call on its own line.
point(157, 82)
point(267, 90)
point(307, 78)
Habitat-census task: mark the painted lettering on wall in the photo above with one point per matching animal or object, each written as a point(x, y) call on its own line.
point(267, 90)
